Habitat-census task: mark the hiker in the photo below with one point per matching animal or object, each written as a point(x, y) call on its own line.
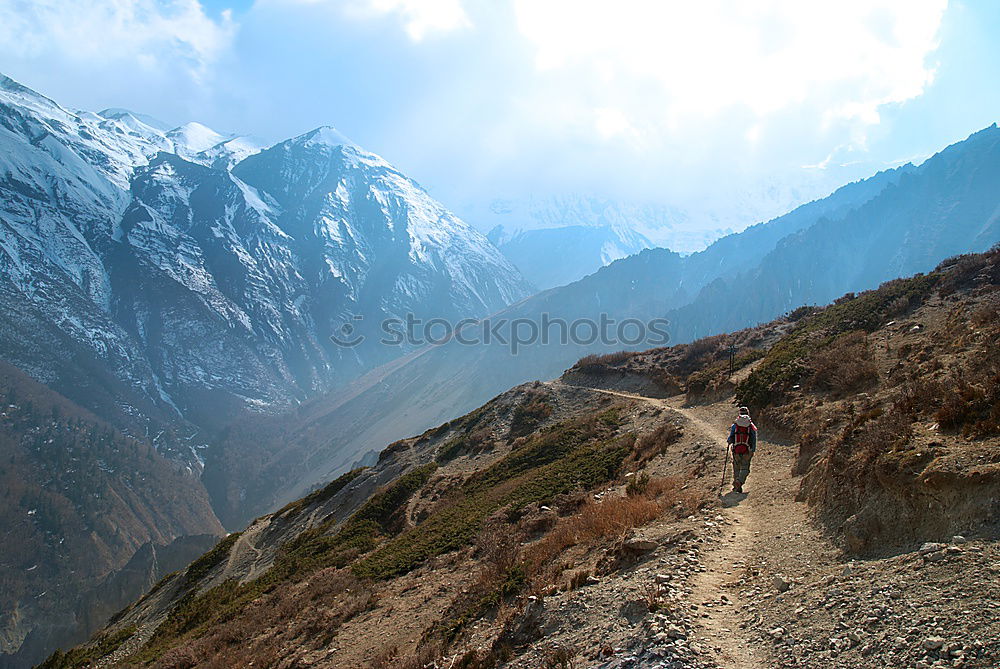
point(743, 438)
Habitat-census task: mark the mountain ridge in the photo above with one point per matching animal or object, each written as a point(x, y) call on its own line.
point(149, 285)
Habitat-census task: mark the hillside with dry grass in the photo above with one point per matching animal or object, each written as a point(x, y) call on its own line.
point(890, 395)
point(579, 522)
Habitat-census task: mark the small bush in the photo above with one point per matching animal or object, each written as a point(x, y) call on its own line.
point(529, 414)
point(386, 658)
point(801, 312)
point(601, 364)
point(559, 658)
point(985, 315)
point(473, 442)
point(884, 431)
point(578, 579)
point(637, 485)
point(972, 408)
point(498, 547)
point(654, 443)
point(651, 596)
point(324, 493)
point(844, 366)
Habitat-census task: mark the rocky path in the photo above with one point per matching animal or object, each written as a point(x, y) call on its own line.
point(769, 546)
point(764, 544)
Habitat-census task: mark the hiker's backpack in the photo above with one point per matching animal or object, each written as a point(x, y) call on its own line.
point(741, 439)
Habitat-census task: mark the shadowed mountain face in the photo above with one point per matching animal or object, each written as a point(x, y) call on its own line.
point(211, 291)
point(899, 222)
point(79, 499)
point(553, 257)
point(168, 281)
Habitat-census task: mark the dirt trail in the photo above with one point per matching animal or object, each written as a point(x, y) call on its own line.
point(764, 530)
point(245, 552)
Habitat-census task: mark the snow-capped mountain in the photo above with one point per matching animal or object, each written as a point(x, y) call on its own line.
point(163, 282)
point(590, 231)
point(555, 240)
point(184, 277)
point(682, 227)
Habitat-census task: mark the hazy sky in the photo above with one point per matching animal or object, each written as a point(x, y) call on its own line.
point(647, 99)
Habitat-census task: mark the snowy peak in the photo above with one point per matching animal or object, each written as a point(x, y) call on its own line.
point(226, 154)
point(16, 94)
point(328, 141)
point(550, 257)
point(194, 137)
point(372, 221)
point(130, 117)
point(8, 85)
point(324, 135)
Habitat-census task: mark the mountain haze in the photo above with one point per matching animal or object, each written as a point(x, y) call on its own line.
point(167, 281)
point(914, 216)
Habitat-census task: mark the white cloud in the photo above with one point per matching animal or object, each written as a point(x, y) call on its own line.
point(669, 66)
point(150, 34)
point(610, 122)
point(420, 18)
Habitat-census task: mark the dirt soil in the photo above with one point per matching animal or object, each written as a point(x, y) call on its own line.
point(753, 583)
point(747, 582)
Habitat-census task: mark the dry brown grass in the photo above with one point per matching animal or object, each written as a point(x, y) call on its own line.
point(845, 366)
point(610, 518)
point(656, 442)
point(602, 363)
point(387, 658)
point(560, 657)
point(498, 549)
point(305, 615)
point(578, 579)
point(985, 315)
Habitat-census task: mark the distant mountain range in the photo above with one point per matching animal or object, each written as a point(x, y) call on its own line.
point(557, 239)
point(167, 281)
point(172, 295)
point(550, 257)
point(898, 222)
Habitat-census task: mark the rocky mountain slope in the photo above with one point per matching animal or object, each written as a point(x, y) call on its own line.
point(580, 522)
point(156, 264)
point(896, 223)
point(80, 498)
point(167, 281)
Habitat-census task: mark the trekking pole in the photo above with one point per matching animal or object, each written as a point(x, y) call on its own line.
point(725, 468)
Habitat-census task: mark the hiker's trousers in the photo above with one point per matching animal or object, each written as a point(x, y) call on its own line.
point(741, 467)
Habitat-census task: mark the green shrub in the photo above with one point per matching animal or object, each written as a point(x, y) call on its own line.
point(323, 494)
point(83, 656)
point(310, 551)
point(570, 455)
point(784, 363)
point(198, 569)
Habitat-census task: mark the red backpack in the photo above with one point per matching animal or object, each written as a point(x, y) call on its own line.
point(741, 440)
